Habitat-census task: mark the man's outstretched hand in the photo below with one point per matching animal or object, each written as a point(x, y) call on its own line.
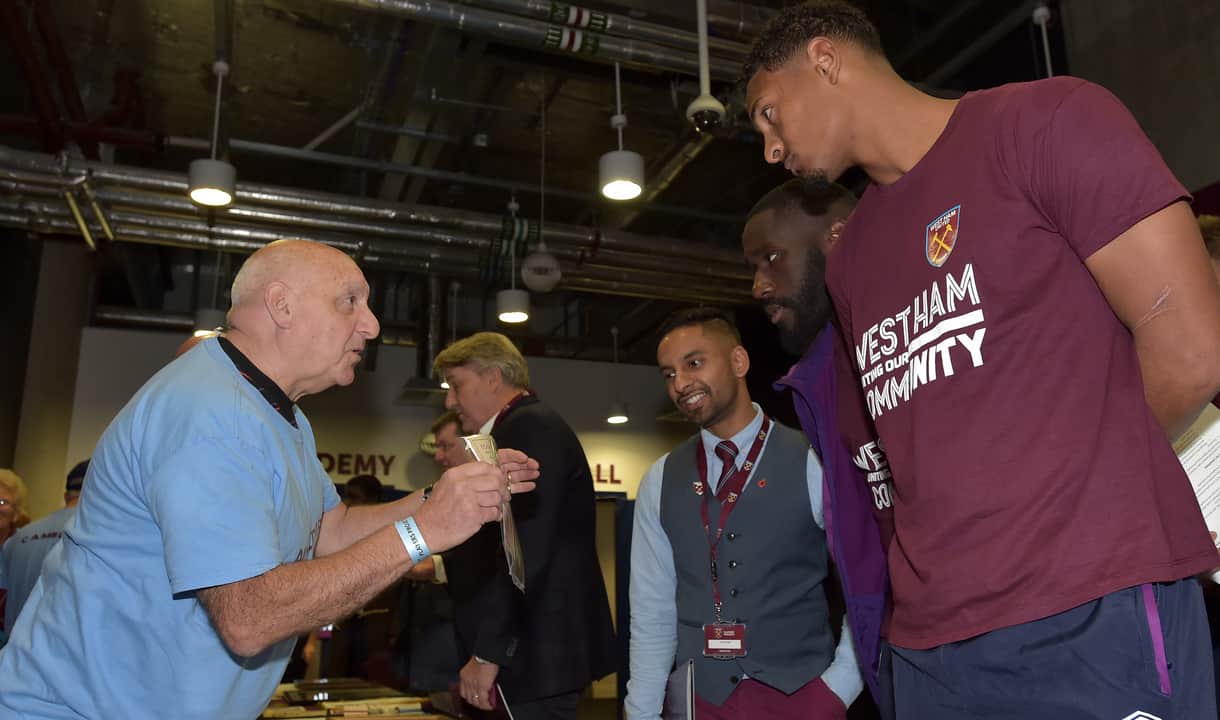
point(467, 496)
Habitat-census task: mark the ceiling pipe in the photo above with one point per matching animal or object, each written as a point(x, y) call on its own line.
point(16, 124)
point(738, 19)
point(439, 247)
point(591, 240)
point(437, 238)
point(608, 23)
point(611, 287)
point(434, 331)
point(1020, 14)
point(337, 127)
point(48, 216)
point(638, 261)
point(686, 154)
point(406, 131)
point(132, 317)
point(24, 52)
point(929, 38)
point(271, 150)
point(61, 65)
point(83, 133)
point(197, 241)
point(546, 36)
point(224, 31)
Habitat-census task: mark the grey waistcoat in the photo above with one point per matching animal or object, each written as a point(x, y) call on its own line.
point(771, 560)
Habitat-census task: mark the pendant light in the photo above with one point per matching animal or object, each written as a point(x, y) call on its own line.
point(618, 410)
point(621, 172)
point(212, 182)
point(540, 270)
point(512, 303)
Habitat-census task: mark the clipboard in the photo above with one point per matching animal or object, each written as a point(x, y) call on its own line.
point(680, 693)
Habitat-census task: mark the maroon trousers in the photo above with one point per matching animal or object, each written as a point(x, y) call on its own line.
point(754, 701)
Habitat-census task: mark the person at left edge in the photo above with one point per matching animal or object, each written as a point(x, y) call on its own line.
point(21, 558)
point(210, 536)
point(751, 488)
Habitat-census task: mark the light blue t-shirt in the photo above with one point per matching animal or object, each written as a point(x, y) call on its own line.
point(197, 482)
point(21, 559)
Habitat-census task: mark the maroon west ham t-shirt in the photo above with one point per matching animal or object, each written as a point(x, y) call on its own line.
point(1029, 475)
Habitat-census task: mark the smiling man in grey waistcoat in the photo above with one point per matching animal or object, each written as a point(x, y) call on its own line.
point(729, 552)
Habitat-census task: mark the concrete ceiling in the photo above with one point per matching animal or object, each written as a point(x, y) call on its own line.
point(298, 66)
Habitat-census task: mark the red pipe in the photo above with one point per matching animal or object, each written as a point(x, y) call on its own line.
point(61, 65)
point(23, 48)
point(127, 104)
point(85, 133)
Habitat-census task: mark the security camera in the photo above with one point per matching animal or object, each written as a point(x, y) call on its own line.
point(705, 112)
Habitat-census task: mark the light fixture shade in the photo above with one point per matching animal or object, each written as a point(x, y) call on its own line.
point(208, 320)
point(621, 174)
point(617, 414)
point(540, 271)
point(513, 305)
point(211, 182)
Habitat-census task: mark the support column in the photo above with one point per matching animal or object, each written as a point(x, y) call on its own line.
point(1162, 58)
point(60, 309)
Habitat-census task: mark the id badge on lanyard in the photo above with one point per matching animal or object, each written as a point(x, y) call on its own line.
point(723, 640)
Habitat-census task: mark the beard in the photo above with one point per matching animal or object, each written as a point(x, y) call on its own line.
point(810, 308)
point(816, 181)
point(717, 407)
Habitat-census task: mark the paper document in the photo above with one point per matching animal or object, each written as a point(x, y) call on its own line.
point(505, 711)
point(1199, 452)
point(482, 448)
point(680, 693)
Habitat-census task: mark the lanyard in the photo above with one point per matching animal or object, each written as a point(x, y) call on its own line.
point(728, 494)
point(517, 400)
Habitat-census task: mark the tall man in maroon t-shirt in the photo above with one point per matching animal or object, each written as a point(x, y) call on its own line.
point(1030, 314)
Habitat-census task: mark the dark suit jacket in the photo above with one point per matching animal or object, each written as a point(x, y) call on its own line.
point(558, 637)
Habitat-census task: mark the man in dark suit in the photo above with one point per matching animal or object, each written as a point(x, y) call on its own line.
point(546, 645)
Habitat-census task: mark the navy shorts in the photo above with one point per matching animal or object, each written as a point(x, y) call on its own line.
point(1143, 653)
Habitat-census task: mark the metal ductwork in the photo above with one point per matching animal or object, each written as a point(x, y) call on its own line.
point(608, 23)
point(737, 19)
point(385, 166)
point(136, 205)
point(527, 32)
point(131, 317)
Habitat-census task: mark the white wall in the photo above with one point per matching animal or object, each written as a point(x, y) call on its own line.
point(364, 418)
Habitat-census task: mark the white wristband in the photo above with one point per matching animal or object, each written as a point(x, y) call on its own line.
point(412, 540)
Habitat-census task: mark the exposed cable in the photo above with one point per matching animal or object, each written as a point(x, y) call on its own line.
point(618, 106)
point(221, 68)
point(1042, 15)
point(705, 79)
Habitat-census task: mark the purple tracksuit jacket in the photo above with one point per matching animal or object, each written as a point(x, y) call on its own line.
point(851, 528)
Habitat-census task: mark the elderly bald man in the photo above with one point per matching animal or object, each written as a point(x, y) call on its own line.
point(210, 536)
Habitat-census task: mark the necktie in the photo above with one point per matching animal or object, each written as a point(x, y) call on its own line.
point(727, 452)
